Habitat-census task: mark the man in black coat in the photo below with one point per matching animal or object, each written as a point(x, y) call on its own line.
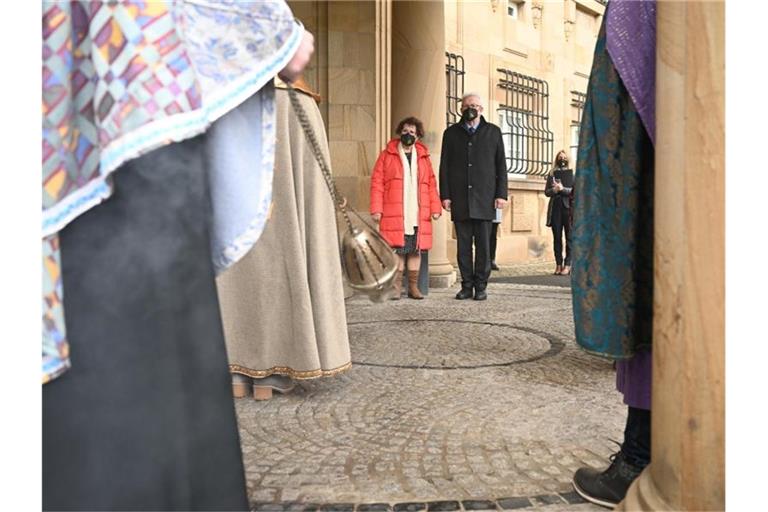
point(473, 183)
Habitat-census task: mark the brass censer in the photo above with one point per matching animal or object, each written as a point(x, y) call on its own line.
point(368, 262)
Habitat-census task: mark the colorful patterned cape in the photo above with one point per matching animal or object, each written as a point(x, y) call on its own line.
point(123, 78)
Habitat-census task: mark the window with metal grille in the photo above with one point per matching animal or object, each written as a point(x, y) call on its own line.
point(454, 87)
point(512, 8)
point(524, 123)
point(577, 102)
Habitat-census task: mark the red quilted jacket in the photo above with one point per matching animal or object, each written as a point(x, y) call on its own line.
point(387, 195)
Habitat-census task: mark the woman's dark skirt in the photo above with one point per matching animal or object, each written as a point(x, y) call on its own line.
point(411, 244)
point(144, 420)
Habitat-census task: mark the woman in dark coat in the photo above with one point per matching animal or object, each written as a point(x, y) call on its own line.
point(558, 189)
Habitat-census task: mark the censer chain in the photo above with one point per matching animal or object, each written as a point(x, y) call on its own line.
point(340, 202)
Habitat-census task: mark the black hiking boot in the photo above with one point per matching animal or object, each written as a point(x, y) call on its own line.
point(609, 487)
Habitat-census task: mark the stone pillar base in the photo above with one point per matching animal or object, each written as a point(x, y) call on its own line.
point(442, 276)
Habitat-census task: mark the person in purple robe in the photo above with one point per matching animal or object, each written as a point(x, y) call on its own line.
point(612, 234)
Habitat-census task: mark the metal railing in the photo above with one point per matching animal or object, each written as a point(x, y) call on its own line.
point(524, 118)
point(454, 87)
point(578, 99)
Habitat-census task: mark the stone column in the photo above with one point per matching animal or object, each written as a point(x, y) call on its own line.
point(418, 89)
point(383, 33)
point(687, 470)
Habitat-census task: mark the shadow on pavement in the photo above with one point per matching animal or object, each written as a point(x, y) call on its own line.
point(546, 280)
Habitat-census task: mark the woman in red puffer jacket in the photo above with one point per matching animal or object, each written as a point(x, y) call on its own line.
point(403, 198)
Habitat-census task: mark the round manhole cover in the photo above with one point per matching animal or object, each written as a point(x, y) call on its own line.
point(446, 344)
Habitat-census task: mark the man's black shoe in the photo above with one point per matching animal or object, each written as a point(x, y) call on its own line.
point(609, 487)
point(494, 266)
point(480, 295)
point(465, 293)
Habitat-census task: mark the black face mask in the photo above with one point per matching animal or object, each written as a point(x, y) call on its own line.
point(407, 139)
point(469, 114)
point(562, 162)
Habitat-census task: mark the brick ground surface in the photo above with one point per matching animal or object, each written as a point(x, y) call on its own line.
point(450, 405)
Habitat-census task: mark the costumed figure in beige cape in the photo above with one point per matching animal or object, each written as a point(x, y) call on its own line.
point(282, 305)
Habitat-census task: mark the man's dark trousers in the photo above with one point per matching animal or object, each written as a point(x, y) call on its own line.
point(477, 232)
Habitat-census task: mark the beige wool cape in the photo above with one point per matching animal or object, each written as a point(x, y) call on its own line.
point(282, 305)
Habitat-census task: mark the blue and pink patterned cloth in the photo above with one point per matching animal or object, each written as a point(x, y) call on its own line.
point(123, 78)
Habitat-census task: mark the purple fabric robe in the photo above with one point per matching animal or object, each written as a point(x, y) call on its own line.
point(634, 379)
point(630, 34)
point(631, 43)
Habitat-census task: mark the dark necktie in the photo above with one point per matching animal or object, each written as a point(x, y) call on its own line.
point(471, 130)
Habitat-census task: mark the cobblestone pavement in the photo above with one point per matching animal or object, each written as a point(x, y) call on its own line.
point(450, 405)
point(538, 268)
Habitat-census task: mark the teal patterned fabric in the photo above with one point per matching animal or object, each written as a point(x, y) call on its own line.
point(612, 234)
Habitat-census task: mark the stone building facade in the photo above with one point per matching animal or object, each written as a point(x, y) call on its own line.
point(379, 61)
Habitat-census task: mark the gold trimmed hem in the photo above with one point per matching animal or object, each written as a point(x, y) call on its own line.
point(288, 372)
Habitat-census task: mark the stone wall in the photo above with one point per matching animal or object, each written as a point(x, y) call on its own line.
point(552, 40)
point(343, 71)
